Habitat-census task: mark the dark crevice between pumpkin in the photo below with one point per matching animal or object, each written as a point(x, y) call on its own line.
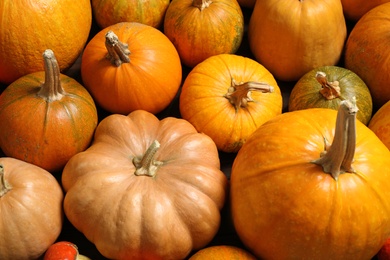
point(239, 94)
point(338, 157)
point(4, 185)
point(118, 52)
point(147, 165)
point(51, 90)
point(329, 90)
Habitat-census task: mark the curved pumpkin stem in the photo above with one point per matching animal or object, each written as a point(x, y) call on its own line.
point(240, 94)
point(201, 4)
point(4, 185)
point(147, 165)
point(51, 89)
point(118, 52)
point(329, 90)
point(338, 157)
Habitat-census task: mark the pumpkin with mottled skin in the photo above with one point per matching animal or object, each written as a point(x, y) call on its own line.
point(355, 9)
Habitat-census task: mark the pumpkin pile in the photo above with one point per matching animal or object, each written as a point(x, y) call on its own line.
point(194, 129)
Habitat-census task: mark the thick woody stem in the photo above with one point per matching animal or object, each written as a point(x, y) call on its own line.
point(201, 4)
point(147, 165)
point(329, 90)
point(4, 185)
point(51, 89)
point(118, 52)
point(240, 94)
point(339, 157)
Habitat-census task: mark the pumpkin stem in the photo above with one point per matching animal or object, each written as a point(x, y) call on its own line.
point(4, 185)
point(329, 90)
point(51, 89)
point(239, 94)
point(147, 166)
point(118, 52)
point(338, 157)
point(201, 4)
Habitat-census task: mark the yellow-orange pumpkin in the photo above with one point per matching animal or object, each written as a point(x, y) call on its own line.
point(380, 123)
point(222, 252)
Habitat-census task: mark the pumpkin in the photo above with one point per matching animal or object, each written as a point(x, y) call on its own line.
point(355, 9)
point(326, 87)
point(290, 38)
point(367, 53)
point(130, 66)
point(228, 97)
point(303, 187)
point(222, 252)
point(31, 214)
point(380, 124)
point(110, 12)
point(46, 117)
point(200, 29)
point(146, 189)
point(28, 28)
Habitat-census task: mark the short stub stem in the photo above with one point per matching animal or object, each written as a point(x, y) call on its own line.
point(118, 52)
point(147, 165)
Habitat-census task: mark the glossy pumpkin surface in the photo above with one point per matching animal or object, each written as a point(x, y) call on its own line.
point(285, 206)
point(200, 29)
point(143, 73)
point(31, 214)
point(146, 188)
point(290, 38)
point(28, 28)
point(228, 97)
point(46, 117)
point(380, 124)
point(367, 53)
point(222, 252)
point(326, 87)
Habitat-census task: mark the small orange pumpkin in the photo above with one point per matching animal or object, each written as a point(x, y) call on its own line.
point(380, 123)
point(222, 252)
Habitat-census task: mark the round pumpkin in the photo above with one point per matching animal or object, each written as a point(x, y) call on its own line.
point(367, 53)
point(28, 28)
point(290, 38)
point(326, 87)
point(305, 187)
point(110, 12)
point(146, 189)
point(355, 9)
point(222, 252)
point(380, 124)
point(46, 117)
point(200, 29)
point(130, 66)
point(31, 214)
point(228, 97)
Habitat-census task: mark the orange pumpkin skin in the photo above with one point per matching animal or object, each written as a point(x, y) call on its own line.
point(30, 27)
point(290, 38)
point(380, 124)
point(108, 13)
point(285, 207)
point(149, 81)
point(204, 104)
point(41, 132)
point(367, 55)
point(222, 252)
point(164, 215)
point(355, 9)
point(200, 29)
point(31, 215)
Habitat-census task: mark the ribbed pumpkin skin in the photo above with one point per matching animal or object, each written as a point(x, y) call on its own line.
point(367, 53)
point(306, 92)
point(31, 213)
point(290, 38)
point(200, 33)
point(44, 133)
point(355, 9)
point(109, 12)
point(29, 27)
point(222, 252)
point(380, 124)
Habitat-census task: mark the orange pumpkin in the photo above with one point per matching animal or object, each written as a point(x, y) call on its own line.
point(303, 188)
point(222, 252)
point(130, 66)
point(355, 9)
point(28, 28)
point(146, 189)
point(367, 53)
point(228, 97)
point(31, 214)
point(46, 117)
point(290, 38)
point(200, 29)
point(380, 124)
point(110, 12)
